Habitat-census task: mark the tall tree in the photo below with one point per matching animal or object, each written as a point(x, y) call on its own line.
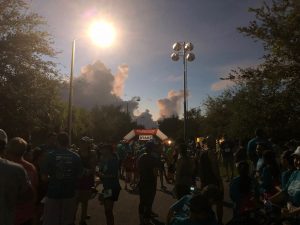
point(277, 79)
point(266, 96)
point(28, 77)
point(110, 123)
point(172, 127)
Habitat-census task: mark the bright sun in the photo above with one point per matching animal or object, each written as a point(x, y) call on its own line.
point(102, 33)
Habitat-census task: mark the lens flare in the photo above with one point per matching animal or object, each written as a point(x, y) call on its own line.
point(102, 33)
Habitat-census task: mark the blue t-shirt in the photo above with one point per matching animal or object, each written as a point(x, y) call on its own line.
point(110, 167)
point(268, 180)
point(181, 207)
point(285, 176)
point(239, 198)
point(293, 188)
point(188, 221)
point(63, 168)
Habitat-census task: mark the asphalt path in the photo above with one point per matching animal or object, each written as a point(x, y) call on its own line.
point(126, 208)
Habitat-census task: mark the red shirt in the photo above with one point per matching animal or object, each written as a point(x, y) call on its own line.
point(25, 211)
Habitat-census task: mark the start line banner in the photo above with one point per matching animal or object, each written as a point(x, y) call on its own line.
point(145, 137)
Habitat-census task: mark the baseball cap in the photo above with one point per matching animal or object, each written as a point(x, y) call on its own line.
point(3, 136)
point(297, 151)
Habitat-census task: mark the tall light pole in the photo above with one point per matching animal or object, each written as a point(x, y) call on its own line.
point(70, 105)
point(183, 49)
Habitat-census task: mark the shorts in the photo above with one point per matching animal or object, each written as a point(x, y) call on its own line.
point(59, 211)
point(114, 195)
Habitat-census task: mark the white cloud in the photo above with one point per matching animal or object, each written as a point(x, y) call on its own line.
point(171, 105)
point(221, 85)
point(119, 81)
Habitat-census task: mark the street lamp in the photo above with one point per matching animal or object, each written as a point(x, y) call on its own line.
point(103, 34)
point(70, 105)
point(183, 49)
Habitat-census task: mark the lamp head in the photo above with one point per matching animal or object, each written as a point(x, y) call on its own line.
point(175, 56)
point(190, 57)
point(189, 46)
point(177, 46)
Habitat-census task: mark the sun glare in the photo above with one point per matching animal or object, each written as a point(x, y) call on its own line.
point(102, 33)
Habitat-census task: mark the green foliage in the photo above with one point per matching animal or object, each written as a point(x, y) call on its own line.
point(267, 96)
point(194, 123)
point(277, 26)
point(28, 78)
point(172, 127)
point(109, 123)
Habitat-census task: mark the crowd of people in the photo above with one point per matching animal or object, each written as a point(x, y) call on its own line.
point(50, 183)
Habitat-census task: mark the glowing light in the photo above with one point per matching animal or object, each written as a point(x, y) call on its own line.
point(102, 33)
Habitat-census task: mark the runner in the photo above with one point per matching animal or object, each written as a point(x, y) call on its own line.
point(87, 180)
point(15, 186)
point(227, 151)
point(287, 162)
point(185, 170)
point(61, 169)
point(26, 211)
point(128, 165)
point(109, 174)
point(243, 190)
point(209, 173)
point(147, 167)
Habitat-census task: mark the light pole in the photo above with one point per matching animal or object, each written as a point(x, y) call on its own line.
point(70, 105)
point(183, 49)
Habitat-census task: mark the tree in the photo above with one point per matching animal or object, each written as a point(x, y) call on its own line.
point(195, 126)
point(28, 78)
point(277, 26)
point(110, 123)
point(266, 96)
point(172, 127)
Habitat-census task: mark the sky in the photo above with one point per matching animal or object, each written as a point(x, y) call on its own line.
point(138, 63)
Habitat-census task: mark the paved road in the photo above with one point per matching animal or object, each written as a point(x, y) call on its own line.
point(126, 209)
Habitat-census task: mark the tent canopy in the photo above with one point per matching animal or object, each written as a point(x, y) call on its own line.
point(145, 134)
